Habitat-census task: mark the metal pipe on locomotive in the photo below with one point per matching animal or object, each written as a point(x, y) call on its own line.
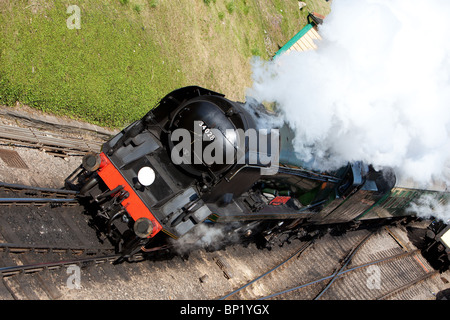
point(136, 191)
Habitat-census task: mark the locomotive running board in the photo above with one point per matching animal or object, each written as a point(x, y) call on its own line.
point(233, 212)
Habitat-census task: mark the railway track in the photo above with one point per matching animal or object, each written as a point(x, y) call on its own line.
point(53, 143)
point(28, 272)
point(21, 194)
point(34, 255)
point(41, 261)
point(41, 230)
point(33, 261)
point(355, 275)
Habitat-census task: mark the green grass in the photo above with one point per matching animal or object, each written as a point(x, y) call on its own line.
point(153, 3)
point(231, 6)
point(130, 53)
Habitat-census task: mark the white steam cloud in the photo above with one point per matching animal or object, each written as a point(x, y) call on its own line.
point(377, 89)
point(428, 206)
point(202, 236)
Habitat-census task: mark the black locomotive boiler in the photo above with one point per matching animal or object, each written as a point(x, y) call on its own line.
point(138, 191)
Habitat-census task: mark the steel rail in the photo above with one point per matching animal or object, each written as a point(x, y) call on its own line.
point(22, 248)
point(408, 285)
point(37, 200)
point(31, 188)
point(43, 195)
point(345, 264)
point(296, 253)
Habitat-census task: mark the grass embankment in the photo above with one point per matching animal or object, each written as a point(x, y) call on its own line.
point(130, 53)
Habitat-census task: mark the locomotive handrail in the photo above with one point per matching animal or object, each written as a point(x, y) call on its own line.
point(309, 174)
point(299, 172)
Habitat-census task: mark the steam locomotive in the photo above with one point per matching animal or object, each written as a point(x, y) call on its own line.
point(143, 186)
